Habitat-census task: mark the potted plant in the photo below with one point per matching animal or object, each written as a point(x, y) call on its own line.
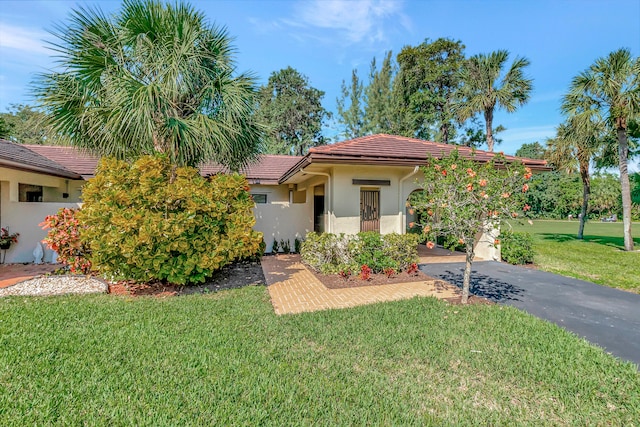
point(6, 239)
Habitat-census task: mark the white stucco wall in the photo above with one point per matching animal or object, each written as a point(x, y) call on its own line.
point(24, 217)
point(283, 221)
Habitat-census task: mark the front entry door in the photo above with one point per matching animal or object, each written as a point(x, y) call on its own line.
point(370, 210)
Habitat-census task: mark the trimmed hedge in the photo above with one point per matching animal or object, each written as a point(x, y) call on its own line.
point(516, 247)
point(148, 221)
point(331, 253)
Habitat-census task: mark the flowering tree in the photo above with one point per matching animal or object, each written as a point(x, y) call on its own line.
point(462, 199)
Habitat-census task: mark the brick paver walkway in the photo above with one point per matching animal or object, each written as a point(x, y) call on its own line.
point(294, 289)
point(10, 274)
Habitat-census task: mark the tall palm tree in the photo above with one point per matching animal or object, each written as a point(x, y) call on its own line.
point(486, 87)
point(611, 87)
point(154, 78)
point(580, 142)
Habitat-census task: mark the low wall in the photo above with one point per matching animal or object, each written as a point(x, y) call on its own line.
point(283, 221)
point(23, 218)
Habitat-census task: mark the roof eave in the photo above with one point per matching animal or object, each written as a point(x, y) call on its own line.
point(38, 169)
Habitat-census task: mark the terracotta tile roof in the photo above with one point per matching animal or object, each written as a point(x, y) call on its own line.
point(266, 170)
point(392, 150)
point(71, 158)
point(18, 156)
point(390, 147)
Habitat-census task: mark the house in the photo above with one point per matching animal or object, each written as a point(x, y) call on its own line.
point(361, 184)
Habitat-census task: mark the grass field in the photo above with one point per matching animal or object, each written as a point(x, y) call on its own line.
point(599, 258)
point(227, 359)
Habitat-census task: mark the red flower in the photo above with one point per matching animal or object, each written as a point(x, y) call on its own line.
point(444, 172)
point(483, 183)
point(471, 173)
point(430, 245)
point(454, 167)
point(469, 187)
point(526, 208)
point(525, 188)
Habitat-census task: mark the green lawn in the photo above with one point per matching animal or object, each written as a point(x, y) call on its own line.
point(599, 258)
point(227, 359)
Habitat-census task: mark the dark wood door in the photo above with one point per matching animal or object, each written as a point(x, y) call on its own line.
point(370, 210)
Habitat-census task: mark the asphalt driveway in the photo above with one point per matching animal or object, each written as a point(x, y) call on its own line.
point(604, 316)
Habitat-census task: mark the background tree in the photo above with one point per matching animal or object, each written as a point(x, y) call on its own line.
point(352, 117)
point(430, 76)
point(462, 198)
point(380, 113)
point(611, 89)
point(473, 134)
point(292, 111)
point(579, 139)
point(487, 86)
point(25, 124)
point(5, 128)
point(532, 150)
point(154, 77)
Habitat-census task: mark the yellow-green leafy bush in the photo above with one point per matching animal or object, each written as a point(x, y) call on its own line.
point(142, 225)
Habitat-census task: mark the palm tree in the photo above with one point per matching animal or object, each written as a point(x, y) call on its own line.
point(578, 140)
point(154, 78)
point(611, 88)
point(485, 87)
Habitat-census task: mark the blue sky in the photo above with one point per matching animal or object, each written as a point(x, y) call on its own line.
point(326, 39)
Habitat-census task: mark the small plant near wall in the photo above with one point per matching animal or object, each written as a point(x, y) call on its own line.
point(297, 244)
point(275, 248)
point(6, 238)
point(286, 246)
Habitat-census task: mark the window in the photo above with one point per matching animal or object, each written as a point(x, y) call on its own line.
point(29, 193)
point(259, 198)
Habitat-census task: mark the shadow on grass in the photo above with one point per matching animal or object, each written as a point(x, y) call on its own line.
point(484, 286)
point(615, 242)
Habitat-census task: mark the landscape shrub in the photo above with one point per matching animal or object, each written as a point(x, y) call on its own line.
point(516, 247)
point(286, 246)
point(275, 247)
point(330, 253)
point(327, 253)
point(64, 238)
point(148, 221)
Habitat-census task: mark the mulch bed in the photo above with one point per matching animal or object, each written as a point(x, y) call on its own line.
point(335, 281)
point(236, 275)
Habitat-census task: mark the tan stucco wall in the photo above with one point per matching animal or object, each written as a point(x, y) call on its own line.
point(346, 208)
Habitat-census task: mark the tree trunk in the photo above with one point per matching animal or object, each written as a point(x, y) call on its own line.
point(488, 118)
point(444, 130)
point(623, 154)
point(467, 274)
point(586, 192)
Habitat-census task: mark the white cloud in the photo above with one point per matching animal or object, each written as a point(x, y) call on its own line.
point(22, 39)
point(355, 20)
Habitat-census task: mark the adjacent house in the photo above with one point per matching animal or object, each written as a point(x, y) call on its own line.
point(361, 184)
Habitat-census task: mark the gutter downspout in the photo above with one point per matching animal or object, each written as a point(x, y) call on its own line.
point(400, 204)
point(330, 202)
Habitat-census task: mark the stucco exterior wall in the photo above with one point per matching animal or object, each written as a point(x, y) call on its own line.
point(24, 217)
point(346, 208)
